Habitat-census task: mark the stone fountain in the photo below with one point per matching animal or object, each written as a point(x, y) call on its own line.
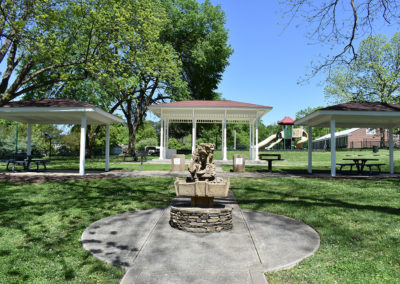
point(202, 215)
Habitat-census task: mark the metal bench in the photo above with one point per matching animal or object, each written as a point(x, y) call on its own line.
point(378, 166)
point(269, 158)
point(37, 162)
point(342, 165)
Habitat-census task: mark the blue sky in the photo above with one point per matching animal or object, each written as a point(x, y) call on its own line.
point(269, 60)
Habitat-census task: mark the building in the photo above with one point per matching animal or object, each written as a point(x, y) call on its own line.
point(354, 138)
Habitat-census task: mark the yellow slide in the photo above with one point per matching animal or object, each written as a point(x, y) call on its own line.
point(266, 141)
point(273, 144)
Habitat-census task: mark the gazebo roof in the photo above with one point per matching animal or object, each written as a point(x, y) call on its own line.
point(55, 111)
point(209, 111)
point(355, 114)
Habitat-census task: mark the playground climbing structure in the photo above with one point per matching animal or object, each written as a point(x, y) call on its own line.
point(289, 137)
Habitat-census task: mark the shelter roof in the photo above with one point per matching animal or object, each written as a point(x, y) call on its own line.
point(209, 111)
point(55, 111)
point(286, 121)
point(355, 114)
point(212, 104)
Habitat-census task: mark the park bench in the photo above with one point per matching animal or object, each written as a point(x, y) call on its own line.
point(136, 155)
point(377, 165)
point(270, 158)
point(342, 165)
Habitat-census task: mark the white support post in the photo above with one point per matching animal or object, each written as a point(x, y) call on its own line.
point(82, 146)
point(310, 149)
point(162, 139)
point(234, 139)
point(224, 144)
point(107, 148)
point(391, 147)
point(256, 143)
point(29, 140)
point(333, 148)
point(193, 135)
point(250, 141)
point(166, 136)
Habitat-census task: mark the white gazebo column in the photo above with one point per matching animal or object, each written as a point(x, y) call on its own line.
point(224, 151)
point(391, 146)
point(29, 141)
point(250, 141)
point(333, 148)
point(82, 146)
point(166, 136)
point(309, 150)
point(193, 135)
point(162, 139)
point(256, 142)
point(107, 168)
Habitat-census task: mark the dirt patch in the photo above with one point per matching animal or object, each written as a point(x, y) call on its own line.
point(24, 179)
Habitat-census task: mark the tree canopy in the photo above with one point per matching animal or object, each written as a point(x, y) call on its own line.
point(341, 23)
point(374, 76)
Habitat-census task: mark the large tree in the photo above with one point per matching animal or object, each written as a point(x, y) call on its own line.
point(341, 23)
point(47, 42)
point(373, 77)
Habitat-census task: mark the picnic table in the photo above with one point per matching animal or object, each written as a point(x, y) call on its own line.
point(25, 161)
point(360, 164)
point(270, 158)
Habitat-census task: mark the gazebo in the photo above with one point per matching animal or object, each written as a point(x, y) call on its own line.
point(61, 111)
point(352, 114)
point(197, 111)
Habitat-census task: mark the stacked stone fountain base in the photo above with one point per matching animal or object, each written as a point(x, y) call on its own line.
point(201, 220)
point(201, 215)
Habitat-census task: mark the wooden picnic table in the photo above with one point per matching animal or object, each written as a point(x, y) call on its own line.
point(269, 158)
point(360, 163)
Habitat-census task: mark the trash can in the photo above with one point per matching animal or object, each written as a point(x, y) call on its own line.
point(375, 149)
point(178, 163)
point(238, 163)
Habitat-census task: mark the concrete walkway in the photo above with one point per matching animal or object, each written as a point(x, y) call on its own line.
point(152, 251)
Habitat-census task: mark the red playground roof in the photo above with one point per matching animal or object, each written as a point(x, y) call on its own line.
point(286, 121)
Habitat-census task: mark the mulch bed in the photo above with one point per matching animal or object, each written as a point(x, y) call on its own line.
point(24, 179)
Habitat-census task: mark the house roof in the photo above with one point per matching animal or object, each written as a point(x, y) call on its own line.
point(286, 121)
point(209, 104)
point(56, 111)
point(355, 114)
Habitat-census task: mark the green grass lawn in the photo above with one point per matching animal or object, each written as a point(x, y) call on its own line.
point(41, 226)
point(358, 221)
point(297, 161)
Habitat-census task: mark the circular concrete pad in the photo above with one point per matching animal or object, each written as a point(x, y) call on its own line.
point(151, 251)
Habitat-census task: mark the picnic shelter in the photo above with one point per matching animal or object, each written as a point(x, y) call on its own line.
point(352, 114)
point(61, 111)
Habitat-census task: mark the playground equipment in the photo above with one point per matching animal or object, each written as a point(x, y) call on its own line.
point(287, 136)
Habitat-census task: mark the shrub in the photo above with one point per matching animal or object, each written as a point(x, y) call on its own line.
point(146, 142)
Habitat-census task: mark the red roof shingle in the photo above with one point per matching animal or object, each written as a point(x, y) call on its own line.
point(47, 103)
point(286, 121)
point(364, 106)
point(200, 103)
